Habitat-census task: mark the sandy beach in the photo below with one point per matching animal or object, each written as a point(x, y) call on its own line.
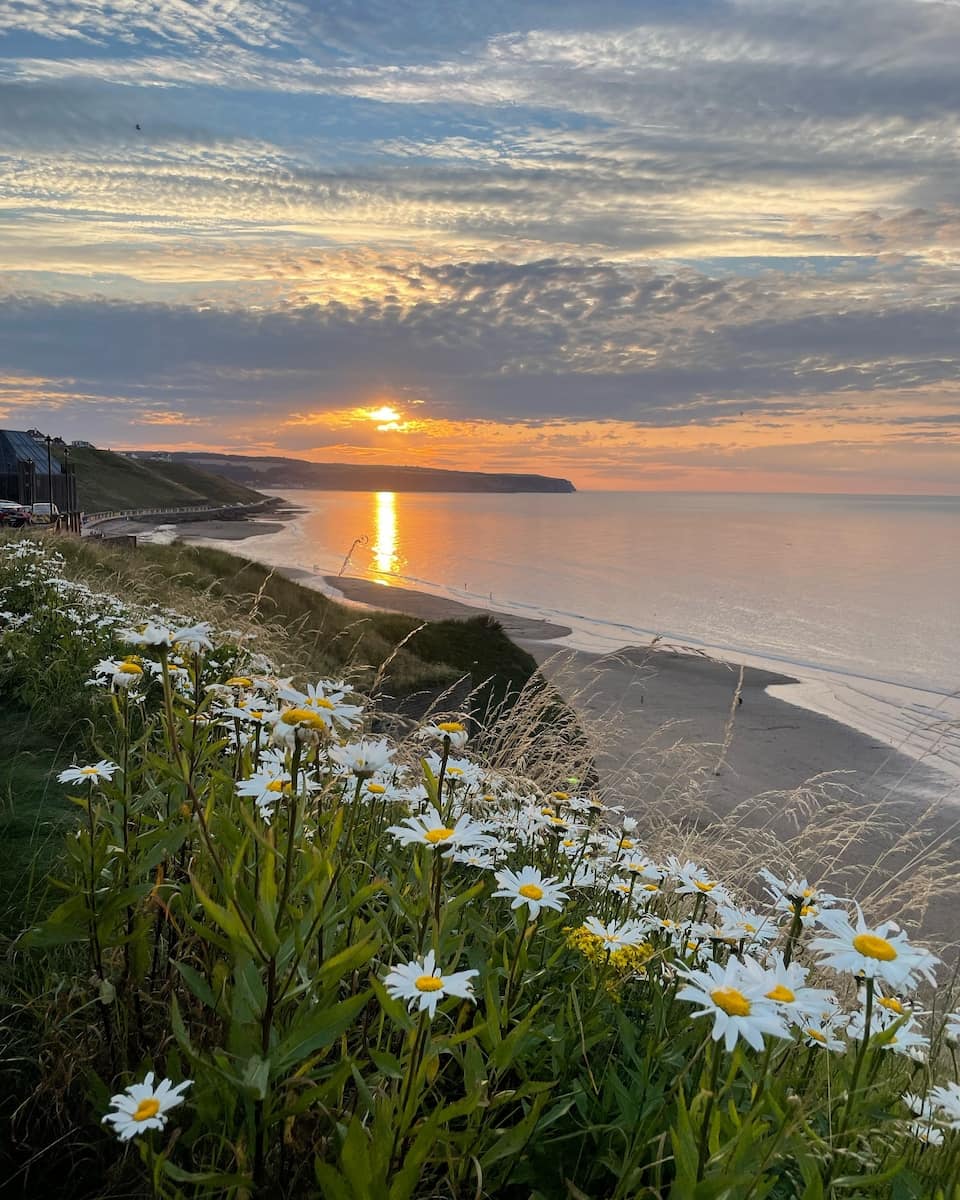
point(665, 714)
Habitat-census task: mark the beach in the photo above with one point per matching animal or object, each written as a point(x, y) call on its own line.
point(665, 714)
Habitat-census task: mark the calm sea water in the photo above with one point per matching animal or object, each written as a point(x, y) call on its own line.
point(864, 585)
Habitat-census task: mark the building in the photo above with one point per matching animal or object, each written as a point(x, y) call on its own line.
point(30, 473)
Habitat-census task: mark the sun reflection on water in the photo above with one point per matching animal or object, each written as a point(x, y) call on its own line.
point(385, 547)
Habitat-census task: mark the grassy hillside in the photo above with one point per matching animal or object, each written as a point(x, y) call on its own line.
point(301, 626)
point(107, 481)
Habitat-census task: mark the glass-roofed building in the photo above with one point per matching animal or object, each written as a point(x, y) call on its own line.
point(25, 475)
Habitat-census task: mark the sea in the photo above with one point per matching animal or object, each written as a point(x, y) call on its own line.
point(855, 596)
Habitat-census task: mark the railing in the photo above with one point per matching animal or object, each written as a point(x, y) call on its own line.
point(98, 518)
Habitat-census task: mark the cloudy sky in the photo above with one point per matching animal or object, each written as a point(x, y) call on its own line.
point(640, 243)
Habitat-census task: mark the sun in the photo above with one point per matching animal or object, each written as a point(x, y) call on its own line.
point(384, 414)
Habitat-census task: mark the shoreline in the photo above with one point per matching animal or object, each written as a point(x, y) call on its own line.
point(919, 726)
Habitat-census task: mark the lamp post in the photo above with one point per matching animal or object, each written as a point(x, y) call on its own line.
point(49, 440)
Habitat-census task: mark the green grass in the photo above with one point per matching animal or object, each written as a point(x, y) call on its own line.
point(33, 813)
point(303, 627)
point(107, 481)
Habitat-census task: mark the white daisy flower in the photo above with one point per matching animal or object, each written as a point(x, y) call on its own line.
point(946, 1101)
point(362, 758)
point(882, 952)
point(143, 1106)
point(104, 769)
point(692, 880)
point(454, 731)
point(194, 637)
point(615, 935)
point(423, 985)
point(147, 634)
point(735, 1001)
point(428, 828)
point(784, 985)
point(326, 699)
point(529, 887)
point(122, 674)
point(265, 789)
point(924, 1132)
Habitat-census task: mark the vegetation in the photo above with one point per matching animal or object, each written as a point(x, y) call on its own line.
point(108, 481)
point(389, 653)
point(308, 962)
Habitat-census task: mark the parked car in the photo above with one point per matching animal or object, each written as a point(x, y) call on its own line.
point(45, 514)
point(14, 515)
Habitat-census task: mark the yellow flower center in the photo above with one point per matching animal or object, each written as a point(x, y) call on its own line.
point(871, 946)
point(146, 1109)
point(891, 1004)
point(321, 702)
point(530, 891)
point(89, 771)
point(275, 785)
point(438, 835)
point(626, 844)
point(781, 993)
point(129, 668)
point(816, 1035)
point(808, 910)
point(704, 887)
point(239, 681)
point(651, 887)
point(808, 892)
point(561, 796)
point(185, 810)
point(454, 770)
point(428, 983)
point(451, 727)
point(377, 788)
point(733, 1002)
point(257, 714)
point(301, 716)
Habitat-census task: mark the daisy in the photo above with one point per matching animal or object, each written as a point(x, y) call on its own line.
point(784, 985)
point(121, 674)
point(326, 700)
point(363, 758)
point(428, 828)
point(882, 953)
point(946, 1100)
point(692, 880)
point(143, 1106)
point(616, 934)
point(455, 732)
point(924, 1132)
point(265, 788)
point(194, 637)
point(104, 769)
point(735, 1001)
point(531, 888)
point(147, 634)
point(423, 986)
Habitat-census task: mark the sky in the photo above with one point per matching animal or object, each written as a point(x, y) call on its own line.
point(659, 244)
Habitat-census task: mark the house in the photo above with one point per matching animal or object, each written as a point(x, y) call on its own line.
point(29, 473)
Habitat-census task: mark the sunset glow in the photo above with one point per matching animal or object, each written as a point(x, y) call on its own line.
point(639, 246)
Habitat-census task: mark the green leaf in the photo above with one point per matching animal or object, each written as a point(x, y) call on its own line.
point(317, 1030)
point(196, 983)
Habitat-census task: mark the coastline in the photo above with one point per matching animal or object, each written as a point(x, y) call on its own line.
point(921, 728)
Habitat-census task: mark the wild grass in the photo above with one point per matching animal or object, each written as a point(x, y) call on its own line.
point(257, 947)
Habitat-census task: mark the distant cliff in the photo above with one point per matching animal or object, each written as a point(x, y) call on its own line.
point(275, 472)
